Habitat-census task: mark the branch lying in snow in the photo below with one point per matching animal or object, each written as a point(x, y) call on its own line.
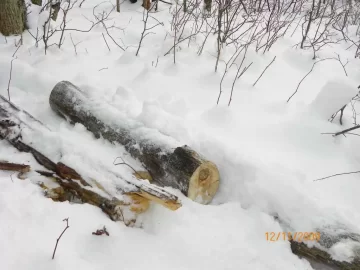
point(6, 166)
point(343, 132)
point(57, 240)
point(101, 232)
point(20, 168)
point(338, 174)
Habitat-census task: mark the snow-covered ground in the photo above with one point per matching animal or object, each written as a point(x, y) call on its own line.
point(268, 151)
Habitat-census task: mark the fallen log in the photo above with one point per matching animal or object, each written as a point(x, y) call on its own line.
point(317, 248)
point(12, 125)
point(315, 255)
point(182, 168)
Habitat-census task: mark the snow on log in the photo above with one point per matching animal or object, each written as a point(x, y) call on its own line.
point(322, 256)
point(182, 168)
point(329, 247)
point(13, 122)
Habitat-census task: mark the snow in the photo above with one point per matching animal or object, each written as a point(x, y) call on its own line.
point(333, 95)
point(268, 151)
point(345, 250)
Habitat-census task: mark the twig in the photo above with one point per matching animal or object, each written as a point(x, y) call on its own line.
point(72, 41)
point(101, 232)
point(124, 163)
point(341, 114)
point(103, 68)
point(346, 130)
point(11, 177)
point(107, 32)
point(16, 50)
point(343, 65)
point(335, 175)
point(11, 67)
point(57, 240)
point(106, 41)
point(264, 70)
point(307, 74)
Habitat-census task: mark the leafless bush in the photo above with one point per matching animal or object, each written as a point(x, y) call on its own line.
point(48, 31)
point(146, 29)
point(182, 21)
point(65, 11)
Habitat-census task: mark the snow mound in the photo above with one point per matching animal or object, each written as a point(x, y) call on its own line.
point(333, 96)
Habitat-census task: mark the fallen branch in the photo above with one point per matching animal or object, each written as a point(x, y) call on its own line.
point(6, 166)
point(57, 240)
point(101, 232)
point(346, 130)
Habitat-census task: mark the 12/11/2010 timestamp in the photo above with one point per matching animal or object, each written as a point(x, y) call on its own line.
point(295, 236)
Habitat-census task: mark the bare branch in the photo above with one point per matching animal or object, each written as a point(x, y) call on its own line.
point(307, 74)
point(57, 240)
point(11, 68)
point(264, 71)
point(334, 175)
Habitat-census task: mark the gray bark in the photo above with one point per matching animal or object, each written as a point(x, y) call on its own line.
point(12, 17)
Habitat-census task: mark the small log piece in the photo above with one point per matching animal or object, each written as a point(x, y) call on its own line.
point(6, 166)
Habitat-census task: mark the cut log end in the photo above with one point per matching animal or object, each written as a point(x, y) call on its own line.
point(204, 183)
point(170, 204)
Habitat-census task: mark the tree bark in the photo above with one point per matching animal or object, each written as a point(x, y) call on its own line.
point(12, 17)
point(7, 166)
point(147, 4)
point(37, 2)
point(182, 168)
point(207, 5)
point(55, 8)
point(324, 238)
point(315, 254)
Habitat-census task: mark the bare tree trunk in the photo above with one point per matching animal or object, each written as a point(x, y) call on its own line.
point(37, 2)
point(147, 4)
point(55, 9)
point(207, 6)
point(12, 17)
point(117, 5)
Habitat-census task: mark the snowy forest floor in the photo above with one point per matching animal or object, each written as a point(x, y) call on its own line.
point(269, 152)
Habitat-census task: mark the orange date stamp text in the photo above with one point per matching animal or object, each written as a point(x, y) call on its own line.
point(292, 236)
